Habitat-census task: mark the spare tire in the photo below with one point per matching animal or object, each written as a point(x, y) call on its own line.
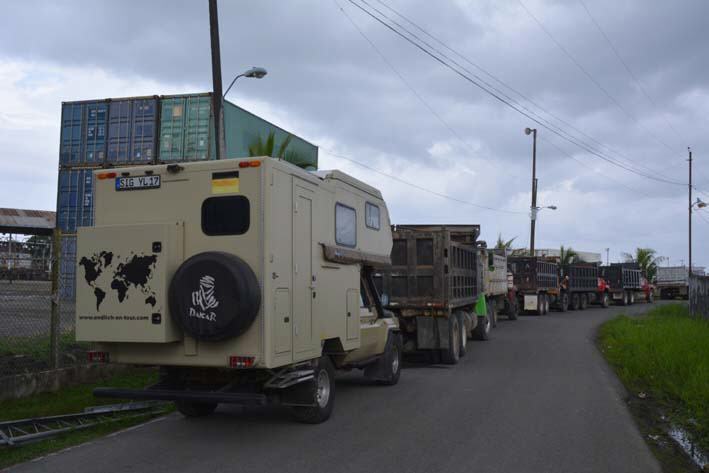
point(214, 296)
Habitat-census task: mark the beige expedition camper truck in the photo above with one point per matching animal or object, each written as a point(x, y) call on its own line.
point(248, 281)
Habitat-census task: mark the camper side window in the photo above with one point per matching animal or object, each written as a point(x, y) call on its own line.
point(229, 215)
point(345, 225)
point(371, 216)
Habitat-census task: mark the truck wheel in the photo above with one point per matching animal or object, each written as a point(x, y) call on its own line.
point(482, 331)
point(540, 304)
point(651, 298)
point(195, 409)
point(564, 303)
point(321, 391)
point(451, 355)
point(463, 334)
point(632, 297)
point(575, 302)
point(584, 301)
point(626, 299)
point(512, 309)
point(392, 358)
point(605, 300)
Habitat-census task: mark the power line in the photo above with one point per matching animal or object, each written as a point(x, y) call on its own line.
point(410, 87)
point(421, 188)
point(500, 98)
point(627, 68)
point(515, 91)
point(590, 77)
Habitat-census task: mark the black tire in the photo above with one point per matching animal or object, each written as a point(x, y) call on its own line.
point(650, 298)
point(626, 299)
point(575, 302)
point(214, 296)
point(493, 312)
point(463, 334)
point(584, 301)
point(540, 304)
point(512, 309)
point(392, 358)
point(547, 304)
point(564, 302)
point(605, 300)
point(632, 297)
point(482, 330)
point(451, 355)
point(321, 390)
point(195, 409)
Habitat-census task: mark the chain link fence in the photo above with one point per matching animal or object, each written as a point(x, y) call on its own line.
point(37, 306)
point(699, 296)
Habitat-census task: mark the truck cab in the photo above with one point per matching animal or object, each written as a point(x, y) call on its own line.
point(241, 278)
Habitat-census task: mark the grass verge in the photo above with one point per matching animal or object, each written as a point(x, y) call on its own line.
point(69, 400)
point(665, 356)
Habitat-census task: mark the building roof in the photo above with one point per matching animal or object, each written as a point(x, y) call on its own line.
point(27, 222)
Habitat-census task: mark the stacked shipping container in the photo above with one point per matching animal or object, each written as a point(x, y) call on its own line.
point(145, 130)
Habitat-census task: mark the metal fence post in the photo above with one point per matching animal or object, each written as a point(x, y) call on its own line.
point(54, 320)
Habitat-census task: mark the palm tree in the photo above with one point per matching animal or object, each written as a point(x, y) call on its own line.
point(265, 148)
point(567, 255)
point(502, 244)
point(646, 259)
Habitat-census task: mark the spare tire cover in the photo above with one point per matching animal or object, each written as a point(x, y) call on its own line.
point(214, 296)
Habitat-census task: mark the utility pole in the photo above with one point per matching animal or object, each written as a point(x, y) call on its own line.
point(690, 210)
point(217, 98)
point(608, 258)
point(533, 131)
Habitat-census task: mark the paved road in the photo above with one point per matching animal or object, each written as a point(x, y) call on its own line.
point(538, 397)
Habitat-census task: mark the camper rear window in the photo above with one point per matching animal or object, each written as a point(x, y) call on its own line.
point(345, 225)
point(227, 215)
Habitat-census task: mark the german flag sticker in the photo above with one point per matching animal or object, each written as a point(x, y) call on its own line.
point(225, 182)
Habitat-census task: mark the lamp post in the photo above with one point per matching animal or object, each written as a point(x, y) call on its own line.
point(253, 73)
point(700, 205)
point(534, 211)
point(533, 132)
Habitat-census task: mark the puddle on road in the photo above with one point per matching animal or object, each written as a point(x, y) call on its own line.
point(682, 438)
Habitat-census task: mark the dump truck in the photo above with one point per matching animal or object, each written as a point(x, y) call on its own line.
point(247, 280)
point(627, 283)
point(433, 286)
point(537, 282)
point(673, 282)
point(498, 286)
point(580, 287)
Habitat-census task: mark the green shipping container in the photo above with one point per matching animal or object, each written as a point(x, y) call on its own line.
point(187, 132)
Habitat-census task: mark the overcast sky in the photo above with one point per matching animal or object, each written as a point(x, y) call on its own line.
point(423, 123)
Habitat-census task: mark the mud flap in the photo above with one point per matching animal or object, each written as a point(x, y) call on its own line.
point(431, 333)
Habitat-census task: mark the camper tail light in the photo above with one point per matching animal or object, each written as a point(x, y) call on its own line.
point(241, 361)
point(106, 175)
point(97, 356)
point(250, 164)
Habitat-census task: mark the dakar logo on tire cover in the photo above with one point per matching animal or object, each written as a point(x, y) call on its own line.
point(203, 300)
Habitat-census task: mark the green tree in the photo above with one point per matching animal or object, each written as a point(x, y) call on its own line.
point(647, 259)
point(266, 148)
point(567, 255)
point(504, 244)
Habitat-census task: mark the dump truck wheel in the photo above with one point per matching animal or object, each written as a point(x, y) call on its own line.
point(463, 334)
point(584, 302)
point(547, 302)
point(540, 304)
point(392, 359)
point(605, 300)
point(632, 297)
point(564, 302)
point(650, 298)
point(482, 331)
point(321, 391)
point(451, 355)
point(214, 296)
point(195, 409)
point(575, 302)
point(512, 309)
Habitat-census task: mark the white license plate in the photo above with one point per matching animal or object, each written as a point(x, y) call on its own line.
point(137, 182)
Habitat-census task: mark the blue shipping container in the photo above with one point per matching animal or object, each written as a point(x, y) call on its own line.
point(67, 269)
point(83, 133)
point(131, 131)
point(75, 201)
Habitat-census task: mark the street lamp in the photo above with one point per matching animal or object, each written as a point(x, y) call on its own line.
point(533, 216)
point(533, 131)
point(253, 73)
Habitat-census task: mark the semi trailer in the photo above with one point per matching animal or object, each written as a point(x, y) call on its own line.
point(580, 286)
point(498, 283)
point(627, 283)
point(537, 282)
point(433, 287)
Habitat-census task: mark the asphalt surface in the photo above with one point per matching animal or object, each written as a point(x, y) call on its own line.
point(538, 397)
